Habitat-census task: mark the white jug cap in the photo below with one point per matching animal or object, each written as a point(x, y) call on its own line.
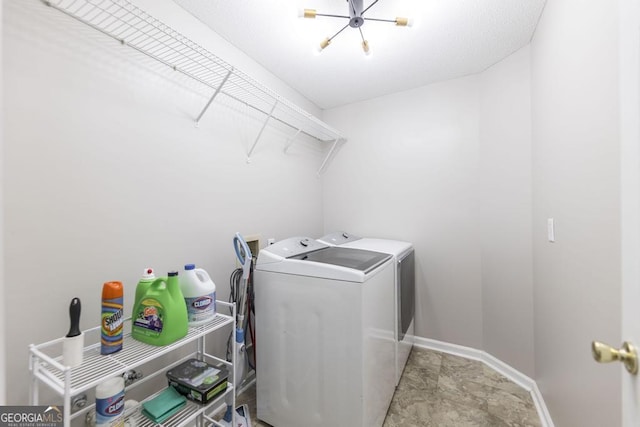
point(148, 273)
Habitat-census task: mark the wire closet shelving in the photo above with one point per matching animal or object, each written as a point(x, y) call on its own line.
point(134, 27)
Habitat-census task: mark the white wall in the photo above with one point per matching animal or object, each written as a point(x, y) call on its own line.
point(505, 211)
point(105, 173)
point(576, 172)
point(410, 172)
point(448, 167)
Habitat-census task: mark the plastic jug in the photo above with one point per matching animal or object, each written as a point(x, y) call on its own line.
point(199, 295)
point(160, 317)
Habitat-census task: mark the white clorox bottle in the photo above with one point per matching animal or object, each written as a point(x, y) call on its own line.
point(199, 294)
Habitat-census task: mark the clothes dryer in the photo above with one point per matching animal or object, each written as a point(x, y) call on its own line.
point(404, 287)
point(325, 348)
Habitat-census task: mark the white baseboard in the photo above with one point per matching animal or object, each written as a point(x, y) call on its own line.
point(496, 364)
point(543, 412)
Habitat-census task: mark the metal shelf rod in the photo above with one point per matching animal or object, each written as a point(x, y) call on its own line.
point(264, 125)
point(326, 159)
point(206, 107)
point(291, 141)
point(235, 98)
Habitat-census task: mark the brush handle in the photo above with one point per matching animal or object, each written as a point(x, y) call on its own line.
point(74, 315)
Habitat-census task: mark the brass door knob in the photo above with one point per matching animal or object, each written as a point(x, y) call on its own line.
point(628, 355)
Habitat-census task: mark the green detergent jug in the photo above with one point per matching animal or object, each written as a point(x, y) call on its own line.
point(143, 286)
point(160, 316)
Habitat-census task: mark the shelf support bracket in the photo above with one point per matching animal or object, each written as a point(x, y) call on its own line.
point(218, 89)
point(292, 140)
point(326, 159)
point(264, 125)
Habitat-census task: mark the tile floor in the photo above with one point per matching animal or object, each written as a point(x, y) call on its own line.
point(441, 390)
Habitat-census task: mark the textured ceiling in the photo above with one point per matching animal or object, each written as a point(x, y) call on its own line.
point(450, 38)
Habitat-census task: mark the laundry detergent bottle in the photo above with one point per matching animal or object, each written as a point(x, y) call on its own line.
point(199, 295)
point(160, 317)
point(143, 286)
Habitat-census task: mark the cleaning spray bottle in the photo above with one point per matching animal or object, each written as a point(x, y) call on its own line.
point(160, 316)
point(112, 318)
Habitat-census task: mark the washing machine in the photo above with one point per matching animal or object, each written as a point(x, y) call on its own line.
point(325, 335)
point(404, 288)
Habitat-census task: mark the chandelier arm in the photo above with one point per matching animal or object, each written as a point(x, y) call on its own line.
point(361, 35)
point(370, 6)
point(380, 20)
point(331, 16)
point(341, 30)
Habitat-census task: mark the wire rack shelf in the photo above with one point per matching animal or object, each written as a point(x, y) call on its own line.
point(47, 367)
point(137, 29)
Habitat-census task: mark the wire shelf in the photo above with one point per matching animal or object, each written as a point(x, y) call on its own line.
point(96, 367)
point(136, 28)
point(47, 366)
point(187, 414)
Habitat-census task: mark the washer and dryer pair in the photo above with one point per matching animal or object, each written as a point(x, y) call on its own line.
point(328, 332)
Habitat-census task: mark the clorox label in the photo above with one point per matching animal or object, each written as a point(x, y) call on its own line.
point(116, 407)
point(201, 308)
point(110, 411)
point(202, 303)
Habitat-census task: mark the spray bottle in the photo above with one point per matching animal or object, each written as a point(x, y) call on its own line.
point(112, 318)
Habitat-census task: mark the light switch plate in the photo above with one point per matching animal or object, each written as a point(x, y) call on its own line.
point(551, 232)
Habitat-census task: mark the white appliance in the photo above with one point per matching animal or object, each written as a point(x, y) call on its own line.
point(325, 352)
point(404, 295)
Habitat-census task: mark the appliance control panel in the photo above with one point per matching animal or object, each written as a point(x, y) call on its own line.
point(339, 238)
point(294, 246)
point(288, 248)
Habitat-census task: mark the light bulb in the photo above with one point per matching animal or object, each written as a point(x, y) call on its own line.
point(366, 48)
point(403, 22)
point(324, 43)
point(306, 13)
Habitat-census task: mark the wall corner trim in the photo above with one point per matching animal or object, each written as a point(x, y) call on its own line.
point(498, 365)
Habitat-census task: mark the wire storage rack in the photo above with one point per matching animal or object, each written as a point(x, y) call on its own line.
point(134, 27)
point(47, 368)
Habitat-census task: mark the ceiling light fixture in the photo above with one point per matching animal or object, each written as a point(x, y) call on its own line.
point(356, 20)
